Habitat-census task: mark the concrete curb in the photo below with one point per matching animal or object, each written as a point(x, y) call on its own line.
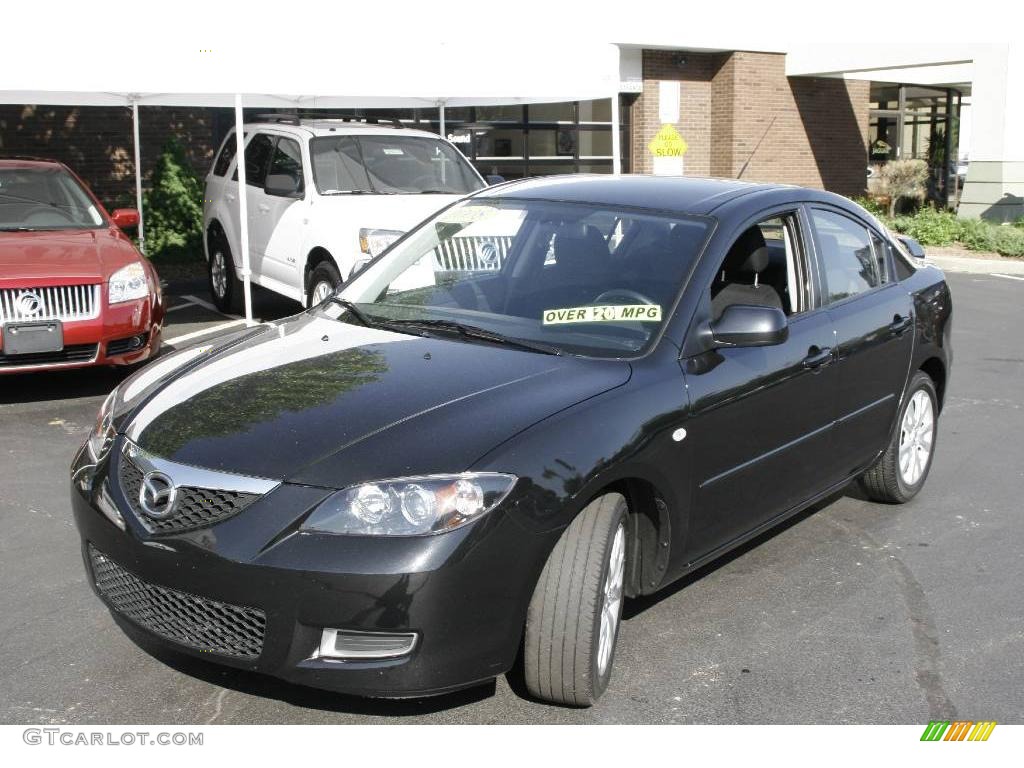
point(977, 266)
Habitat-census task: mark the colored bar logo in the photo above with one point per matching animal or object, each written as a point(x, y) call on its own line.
point(958, 730)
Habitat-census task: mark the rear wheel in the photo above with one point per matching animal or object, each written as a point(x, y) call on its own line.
point(901, 471)
point(225, 287)
point(323, 281)
point(573, 621)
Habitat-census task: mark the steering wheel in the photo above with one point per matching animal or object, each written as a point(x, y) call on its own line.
point(624, 293)
point(47, 212)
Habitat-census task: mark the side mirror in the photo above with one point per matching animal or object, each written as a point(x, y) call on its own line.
point(493, 178)
point(742, 325)
point(125, 218)
point(913, 247)
point(282, 185)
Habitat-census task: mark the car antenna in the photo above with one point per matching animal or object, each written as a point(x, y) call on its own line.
point(756, 147)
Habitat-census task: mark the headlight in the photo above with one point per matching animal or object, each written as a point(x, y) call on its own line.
point(410, 506)
point(128, 283)
point(102, 435)
point(374, 242)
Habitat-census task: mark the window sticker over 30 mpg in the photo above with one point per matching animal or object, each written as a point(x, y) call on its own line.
point(606, 313)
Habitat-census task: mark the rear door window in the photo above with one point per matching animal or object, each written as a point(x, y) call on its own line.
point(847, 255)
point(257, 157)
point(227, 154)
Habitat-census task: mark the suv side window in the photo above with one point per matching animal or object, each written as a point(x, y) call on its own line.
point(287, 160)
point(257, 155)
point(227, 154)
point(848, 258)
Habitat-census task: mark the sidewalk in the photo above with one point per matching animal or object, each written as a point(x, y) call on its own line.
point(950, 260)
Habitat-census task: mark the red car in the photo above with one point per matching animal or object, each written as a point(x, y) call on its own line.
point(74, 291)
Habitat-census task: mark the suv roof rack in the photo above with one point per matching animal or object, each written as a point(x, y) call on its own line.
point(277, 118)
point(394, 122)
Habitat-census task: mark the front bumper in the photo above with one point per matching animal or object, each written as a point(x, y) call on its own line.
point(122, 334)
point(465, 593)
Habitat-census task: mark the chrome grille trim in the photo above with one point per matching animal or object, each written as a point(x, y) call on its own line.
point(473, 254)
point(203, 497)
point(67, 303)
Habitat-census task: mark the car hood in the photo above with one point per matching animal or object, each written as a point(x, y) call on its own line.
point(42, 257)
point(321, 402)
point(398, 212)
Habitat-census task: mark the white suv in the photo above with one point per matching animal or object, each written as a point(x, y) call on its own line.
point(323, 195)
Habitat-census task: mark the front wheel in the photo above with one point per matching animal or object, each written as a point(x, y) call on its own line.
point(573, 621)
point(900, 472)
point(323, 282)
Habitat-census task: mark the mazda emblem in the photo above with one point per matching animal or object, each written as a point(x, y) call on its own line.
point(156, 495)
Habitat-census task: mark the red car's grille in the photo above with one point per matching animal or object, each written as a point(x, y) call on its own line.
point(59, 302)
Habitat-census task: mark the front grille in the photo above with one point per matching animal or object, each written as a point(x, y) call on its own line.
point(193, 507)
point(472, 254)
point(73, 353)
point(198, 622)
point(59, 302)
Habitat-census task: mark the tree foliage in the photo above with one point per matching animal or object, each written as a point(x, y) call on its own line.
point(173, 207)
point(904, 179)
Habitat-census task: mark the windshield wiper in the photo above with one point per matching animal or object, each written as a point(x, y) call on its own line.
point(355, 311)
point(19, 229)
point(436, 192)
point(346, 192)
point(472, 332)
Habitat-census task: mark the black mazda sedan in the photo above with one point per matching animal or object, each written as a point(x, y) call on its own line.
point(551, 396)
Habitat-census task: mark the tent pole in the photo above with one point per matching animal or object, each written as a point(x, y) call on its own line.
point(616, 137)
point(440, 109)
point(243, 208)
point(138, 173)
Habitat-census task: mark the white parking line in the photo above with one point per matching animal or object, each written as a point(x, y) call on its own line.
point(1008, 277)
point(204, 331)
point(206, 305)
point(184, 304)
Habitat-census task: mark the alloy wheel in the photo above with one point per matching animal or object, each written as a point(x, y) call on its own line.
point(611, 599)
point(321, 291)
point(917, 434)
point(219, 274)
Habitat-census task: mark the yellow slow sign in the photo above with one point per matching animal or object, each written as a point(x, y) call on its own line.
point(668, 143)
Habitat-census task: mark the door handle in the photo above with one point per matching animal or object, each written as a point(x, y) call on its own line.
point(818, 357)
point(900, 324)
point(264, 208)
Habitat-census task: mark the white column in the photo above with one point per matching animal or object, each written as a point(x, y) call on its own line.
point(243, 208)
point(995, 177)
point(616, 136)
point(440, 111)
point(138, 173)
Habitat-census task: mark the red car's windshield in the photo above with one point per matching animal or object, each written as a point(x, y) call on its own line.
point(44, 198)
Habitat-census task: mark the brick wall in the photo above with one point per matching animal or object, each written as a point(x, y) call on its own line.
point(814, 129)
point(96, 142)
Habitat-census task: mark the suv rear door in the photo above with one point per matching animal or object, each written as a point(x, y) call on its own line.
point(873, 318)
point(275, 228)
point(258, 150)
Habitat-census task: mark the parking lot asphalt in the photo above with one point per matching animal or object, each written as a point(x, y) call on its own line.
point(853, 612)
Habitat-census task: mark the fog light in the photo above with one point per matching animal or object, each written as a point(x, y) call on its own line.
point(349, 644)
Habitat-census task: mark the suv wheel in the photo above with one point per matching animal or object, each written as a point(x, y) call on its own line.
point(573, 621)
point(225, 287)
point(322, 283)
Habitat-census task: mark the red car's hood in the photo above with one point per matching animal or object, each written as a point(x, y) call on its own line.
point(36, 258)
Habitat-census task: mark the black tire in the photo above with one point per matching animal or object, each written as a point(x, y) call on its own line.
point(324, 272)
point(884, 481)
point(563, 623)
point(230, 299)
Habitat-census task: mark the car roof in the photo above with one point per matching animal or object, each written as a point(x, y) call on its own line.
point(326, 127)
point(690, 195)
point(27, 161)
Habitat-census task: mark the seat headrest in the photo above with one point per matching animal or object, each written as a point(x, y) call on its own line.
point(757, 261)
point(580, 247)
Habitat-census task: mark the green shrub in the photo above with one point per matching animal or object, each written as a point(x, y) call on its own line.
point(872, 206)
point(929, 226)
point(173, 208)
point(1009, 241)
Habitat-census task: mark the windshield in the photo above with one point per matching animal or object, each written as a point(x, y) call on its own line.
point(44, 198)
point(390, 164)
point(576, 278)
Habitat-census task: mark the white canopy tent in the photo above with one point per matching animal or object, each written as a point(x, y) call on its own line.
point(322, 75)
